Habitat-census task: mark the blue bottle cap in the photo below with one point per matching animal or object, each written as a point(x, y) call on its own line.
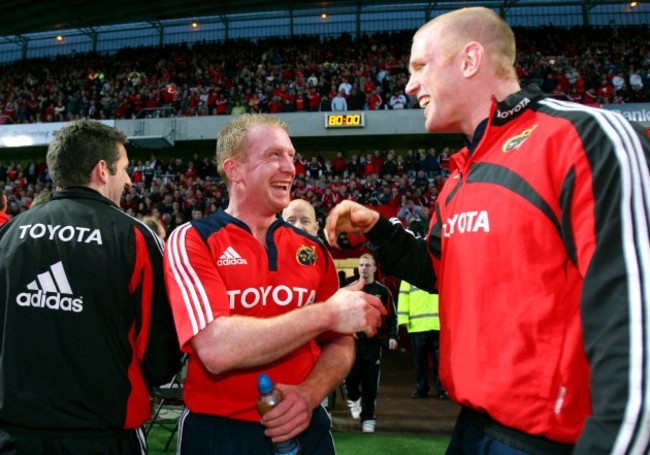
point(264, 383)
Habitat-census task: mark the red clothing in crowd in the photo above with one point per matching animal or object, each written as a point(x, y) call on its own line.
point(375, 102)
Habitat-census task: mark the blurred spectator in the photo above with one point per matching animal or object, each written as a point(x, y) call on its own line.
point(314, 168)
point(339, 103)
point(339, 164)
point(375, 100)
point(635, 79)
point(3, 210)
point(356, 100)
point(605, 91)
point(389, 166)
point(398, 100)
point(419, 224)
point(618, 81)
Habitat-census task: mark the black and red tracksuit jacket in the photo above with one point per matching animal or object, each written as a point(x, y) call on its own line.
point(85, 325)
point(540, 249)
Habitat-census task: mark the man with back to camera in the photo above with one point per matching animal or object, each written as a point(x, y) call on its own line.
point(362, 384)
point(251, 294)
point(86, 325)
point(539, 247)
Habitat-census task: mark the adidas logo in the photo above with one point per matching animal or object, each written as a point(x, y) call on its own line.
point(51, 290)
point(231, 257)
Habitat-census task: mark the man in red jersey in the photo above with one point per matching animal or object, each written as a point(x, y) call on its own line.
point(539, 245)
point(251, 294)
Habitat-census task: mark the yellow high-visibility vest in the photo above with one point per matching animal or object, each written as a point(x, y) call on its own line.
point(417, 309)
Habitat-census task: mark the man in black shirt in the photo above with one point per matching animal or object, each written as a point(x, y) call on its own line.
point(363, 381)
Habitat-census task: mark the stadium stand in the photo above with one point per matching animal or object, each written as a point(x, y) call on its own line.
point(604, 65)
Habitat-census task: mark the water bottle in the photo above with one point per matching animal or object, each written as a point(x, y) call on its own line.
point(268, 399)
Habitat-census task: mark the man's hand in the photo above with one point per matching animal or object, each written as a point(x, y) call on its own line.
point(355, 310)
point(349, 216)
point(290, 417)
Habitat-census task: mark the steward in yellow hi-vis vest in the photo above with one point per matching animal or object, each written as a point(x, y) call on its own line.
point(417, 308)
point(419, 311)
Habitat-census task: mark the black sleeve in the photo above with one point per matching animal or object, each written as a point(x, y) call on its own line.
point(615, 305)
point(391, 320)
point(161, 360)
point(400, 254)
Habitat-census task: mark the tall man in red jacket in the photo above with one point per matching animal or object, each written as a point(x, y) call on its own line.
point(540, 247)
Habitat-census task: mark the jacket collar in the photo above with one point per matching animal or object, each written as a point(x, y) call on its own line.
point(504, 111)
point(81, 192)
point(514, 105)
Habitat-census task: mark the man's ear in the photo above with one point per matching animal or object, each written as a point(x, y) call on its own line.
point(232, 170)
point(99, 173)
point(473, 54)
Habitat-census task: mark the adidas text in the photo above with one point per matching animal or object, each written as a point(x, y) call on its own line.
point(231, 261)
point(231, 257)
point(52, 301)
point(62, 233)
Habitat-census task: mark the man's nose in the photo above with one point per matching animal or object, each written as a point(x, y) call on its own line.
point(411, 86)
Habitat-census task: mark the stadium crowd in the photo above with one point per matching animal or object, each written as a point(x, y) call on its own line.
point(175, 190)
point(588, 65)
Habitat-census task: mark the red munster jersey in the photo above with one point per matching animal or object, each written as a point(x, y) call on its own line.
point(215, 267)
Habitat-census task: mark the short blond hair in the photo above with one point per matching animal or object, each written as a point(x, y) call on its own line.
point(481, 25)
point(231, 140)
point(368, 256)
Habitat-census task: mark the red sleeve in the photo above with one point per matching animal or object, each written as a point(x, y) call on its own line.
point(193, 284)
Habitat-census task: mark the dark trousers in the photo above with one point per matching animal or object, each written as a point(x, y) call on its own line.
point(426, 345)
point(201, 434)
point(15, 441)
point(363, 379)
point(478, 434)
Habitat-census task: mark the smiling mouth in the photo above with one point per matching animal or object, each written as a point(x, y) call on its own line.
point(281, 186)
point(424, 101)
